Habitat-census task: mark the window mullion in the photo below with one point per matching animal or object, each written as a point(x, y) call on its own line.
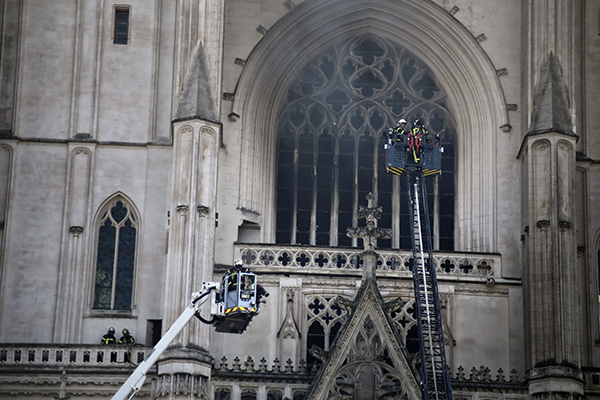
point(355, 189)
point(313, 211)
point(335, 195)
point(113, 290)
point(295, 189)
point(375, 181)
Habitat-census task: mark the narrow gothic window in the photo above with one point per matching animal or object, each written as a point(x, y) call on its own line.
point(330, 139)
point(117, 231)
point(121, 32)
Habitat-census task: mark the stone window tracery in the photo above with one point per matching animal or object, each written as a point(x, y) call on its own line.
point(324, 320)
point(115, 257)
point(368, 371)
point(330, 139)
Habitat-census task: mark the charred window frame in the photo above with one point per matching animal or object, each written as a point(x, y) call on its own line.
point(331, 133)
point(121, 25)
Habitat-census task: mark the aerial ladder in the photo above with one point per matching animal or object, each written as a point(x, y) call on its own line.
point(233, 304)
point(416, 154)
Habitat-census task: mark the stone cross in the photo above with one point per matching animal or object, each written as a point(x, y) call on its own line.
point(369, 233)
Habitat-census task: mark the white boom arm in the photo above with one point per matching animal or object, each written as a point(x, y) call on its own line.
point(135, 381)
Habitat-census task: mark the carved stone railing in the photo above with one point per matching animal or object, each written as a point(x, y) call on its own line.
point(263, 370)
point(484, 375)
point(57, 355)
point(327, 260)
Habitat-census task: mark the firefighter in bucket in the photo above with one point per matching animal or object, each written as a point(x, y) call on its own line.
point(414, 140)
point(242, 295)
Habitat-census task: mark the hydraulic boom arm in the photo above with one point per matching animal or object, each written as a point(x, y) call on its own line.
point(135, 381)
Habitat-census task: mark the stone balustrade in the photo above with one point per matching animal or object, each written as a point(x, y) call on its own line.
point(327, 260)
point(56, 355)
point(31, 357)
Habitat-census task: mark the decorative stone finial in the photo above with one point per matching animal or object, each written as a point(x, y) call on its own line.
point(370, 233)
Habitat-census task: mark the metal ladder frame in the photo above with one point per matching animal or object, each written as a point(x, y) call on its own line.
point(435, 379)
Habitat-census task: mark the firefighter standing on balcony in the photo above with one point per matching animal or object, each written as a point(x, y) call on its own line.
point(126, 338)
point(109, 338)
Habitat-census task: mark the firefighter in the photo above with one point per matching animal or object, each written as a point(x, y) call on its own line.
point(126, 338)
point(414, 140)
point(232, 273)
point(399, 131)
point(109, 338)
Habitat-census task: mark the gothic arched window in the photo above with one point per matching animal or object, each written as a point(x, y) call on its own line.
point(331, 133)
point(115, 257)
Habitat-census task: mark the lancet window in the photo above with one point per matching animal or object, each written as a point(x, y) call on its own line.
point(115, 257)
point(331, 133)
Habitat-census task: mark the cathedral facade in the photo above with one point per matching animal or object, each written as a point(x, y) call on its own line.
point(147, 145)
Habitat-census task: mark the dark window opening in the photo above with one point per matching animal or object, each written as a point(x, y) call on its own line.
point(121, 35)
point(331, 134)
point(153, 331)
point(115, 258)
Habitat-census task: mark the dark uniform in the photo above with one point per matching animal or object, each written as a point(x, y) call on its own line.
point(399, 131)
point(414, 139)
point(109, 338)
point(232, 274)
point(126, 338)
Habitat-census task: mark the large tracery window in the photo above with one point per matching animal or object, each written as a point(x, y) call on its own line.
point(331, 133)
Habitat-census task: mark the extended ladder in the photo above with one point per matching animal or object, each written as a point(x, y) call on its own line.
point(435, 379)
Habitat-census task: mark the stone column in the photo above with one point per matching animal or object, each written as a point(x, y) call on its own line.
point(6, 161)
point(70, 301)
point(551, 282)
point(184, 370)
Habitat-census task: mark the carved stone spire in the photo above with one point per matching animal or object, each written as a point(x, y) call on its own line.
point(551, 109)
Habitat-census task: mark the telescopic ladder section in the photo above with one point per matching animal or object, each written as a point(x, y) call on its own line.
point(435, 380)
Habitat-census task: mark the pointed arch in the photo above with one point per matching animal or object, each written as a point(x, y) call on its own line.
point(116, 241)
point(475, 98)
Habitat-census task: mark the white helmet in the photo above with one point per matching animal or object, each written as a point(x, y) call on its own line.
point(239, 262)
point(402, 121)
